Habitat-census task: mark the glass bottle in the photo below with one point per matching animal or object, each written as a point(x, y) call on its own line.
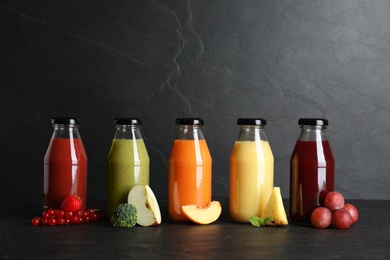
point(312, 169)
point(127, 162)
point(189, 169)
point(251, 171)
point(65, 164)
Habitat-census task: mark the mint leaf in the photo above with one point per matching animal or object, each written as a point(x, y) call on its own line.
point(258, 222)
point(255, 221)
point(269, 219)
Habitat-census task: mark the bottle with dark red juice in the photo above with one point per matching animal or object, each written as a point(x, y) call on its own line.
point(65, 164)
point(312, 169)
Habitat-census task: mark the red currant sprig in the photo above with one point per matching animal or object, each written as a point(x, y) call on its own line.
point(55, 217)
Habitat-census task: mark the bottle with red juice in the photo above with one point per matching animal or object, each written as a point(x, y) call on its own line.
point(312, 168)
point(65, 164)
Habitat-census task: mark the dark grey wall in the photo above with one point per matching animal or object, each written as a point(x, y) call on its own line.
point(219, 60)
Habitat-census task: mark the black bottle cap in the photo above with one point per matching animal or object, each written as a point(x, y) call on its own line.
point(65, 121)
point(127, 121)
point(251, 121)
point(189, 121)
point(312, 121)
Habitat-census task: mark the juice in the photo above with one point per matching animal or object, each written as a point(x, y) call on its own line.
point(127, 165)
point(189, 176)
point(251, 179)
point(312, 176)
point(65, 172)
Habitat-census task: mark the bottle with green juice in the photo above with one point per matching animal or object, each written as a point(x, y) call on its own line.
point(127, 162)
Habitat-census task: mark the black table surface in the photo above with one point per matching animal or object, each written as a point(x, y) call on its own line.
point(369, 238)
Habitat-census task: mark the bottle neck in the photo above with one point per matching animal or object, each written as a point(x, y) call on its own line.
point(66, 131)
point(190, 132)
point(313, 133)
point(128, 132)
point(251, 133)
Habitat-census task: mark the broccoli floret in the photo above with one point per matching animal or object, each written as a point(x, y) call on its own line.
point(125, 215)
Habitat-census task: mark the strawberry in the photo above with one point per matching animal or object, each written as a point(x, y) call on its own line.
point(71, 203)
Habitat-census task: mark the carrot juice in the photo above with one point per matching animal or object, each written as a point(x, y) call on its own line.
point(189, 176)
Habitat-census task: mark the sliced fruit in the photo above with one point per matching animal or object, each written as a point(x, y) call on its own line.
point(275, 209)
point(148, 211)
point(205, 215)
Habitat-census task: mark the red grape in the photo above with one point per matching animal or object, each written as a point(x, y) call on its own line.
point(353, 211)
point(341, 219)
point(321, 217)
point(334, 200)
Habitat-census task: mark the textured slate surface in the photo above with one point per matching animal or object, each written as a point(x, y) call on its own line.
point(369, 238)
point(219, 60)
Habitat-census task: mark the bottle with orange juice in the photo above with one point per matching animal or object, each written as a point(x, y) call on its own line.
point(189, 169)
point(251, 171)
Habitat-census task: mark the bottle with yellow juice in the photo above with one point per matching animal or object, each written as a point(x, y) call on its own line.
point(251, 171)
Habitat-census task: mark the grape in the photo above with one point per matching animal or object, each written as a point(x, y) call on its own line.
point(321, 217)
point(341, 219)
point(353, 211)
point(334, 200)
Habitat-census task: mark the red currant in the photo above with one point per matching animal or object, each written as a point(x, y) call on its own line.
point(36, 221)
point(45, 215)
point(51, 212)
point(75, 219)
point(90, 211)
point(94, 216)
point(68, 214)
point(60, 221)
point(52, 221)
point(60, 213)
point(87, 219)
point(44, 221)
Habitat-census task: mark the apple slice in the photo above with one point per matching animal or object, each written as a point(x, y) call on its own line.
point(275, 209)
point(148, 211)
point(205, 215)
